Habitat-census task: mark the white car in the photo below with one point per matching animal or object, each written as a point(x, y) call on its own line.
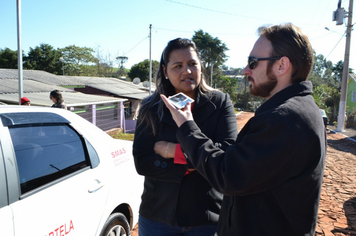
point(61, 175)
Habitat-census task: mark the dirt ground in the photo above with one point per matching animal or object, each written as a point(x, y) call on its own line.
point(337, 207)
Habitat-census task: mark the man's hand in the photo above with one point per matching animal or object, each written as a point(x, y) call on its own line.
point(179, 115)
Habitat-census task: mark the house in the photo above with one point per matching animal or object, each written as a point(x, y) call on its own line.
point(351, 94)
point(107, 102)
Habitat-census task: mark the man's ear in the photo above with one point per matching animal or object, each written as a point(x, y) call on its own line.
point(284, 66)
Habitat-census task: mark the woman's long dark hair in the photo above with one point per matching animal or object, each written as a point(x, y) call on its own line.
point(57, 95)
point(164, 86)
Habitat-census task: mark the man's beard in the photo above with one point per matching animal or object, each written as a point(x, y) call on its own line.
point(264, 89)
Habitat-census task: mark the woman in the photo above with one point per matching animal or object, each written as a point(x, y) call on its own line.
point(57, 99)
point(176, 199)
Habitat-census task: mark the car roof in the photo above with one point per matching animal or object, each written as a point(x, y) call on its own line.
point(21, 115)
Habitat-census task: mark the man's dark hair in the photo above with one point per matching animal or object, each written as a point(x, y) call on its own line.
point(289, 41)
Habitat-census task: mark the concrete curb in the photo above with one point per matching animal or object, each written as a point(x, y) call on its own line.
point(336, 132)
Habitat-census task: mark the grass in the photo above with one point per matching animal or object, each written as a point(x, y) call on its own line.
point(118, 134)
point(121, 135)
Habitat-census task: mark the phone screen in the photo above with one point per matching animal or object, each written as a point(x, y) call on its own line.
point(180, 100)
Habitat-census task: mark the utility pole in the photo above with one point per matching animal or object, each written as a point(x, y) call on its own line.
point(150, 74)
point(19, 51)
point(211, 74)
point(338, 14)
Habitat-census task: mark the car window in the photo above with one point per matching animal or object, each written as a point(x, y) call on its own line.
point(45, 153)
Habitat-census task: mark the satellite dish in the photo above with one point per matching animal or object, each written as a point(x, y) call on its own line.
point(136, 80)
point(146, 84)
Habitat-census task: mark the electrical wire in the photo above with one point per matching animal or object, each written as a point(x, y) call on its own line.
point(192, 32)
point(135, 46)
point(181, 31)
point(335, 46)
point(321, 17)
point(207, 9)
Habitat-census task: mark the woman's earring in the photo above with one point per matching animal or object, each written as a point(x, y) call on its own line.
point(166, 77)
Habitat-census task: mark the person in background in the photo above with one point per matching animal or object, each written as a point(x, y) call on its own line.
point(25, 101)
point(177, 200)
point(271, 177)
point(57, 99)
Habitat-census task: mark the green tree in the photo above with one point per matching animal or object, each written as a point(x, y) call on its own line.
point(104, 69)
point(228, 85)
point(121, 60)
point(8, 59)
point(338, 68)
point(320, 94)
point(319, 65)
point(78, 60)
point(337, 73)
point(327, 97)
point(325, 72)
point(43, 57)
point(142, 70)
point(212, 53)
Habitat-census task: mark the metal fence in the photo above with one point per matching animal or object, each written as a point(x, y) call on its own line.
point(106, 116)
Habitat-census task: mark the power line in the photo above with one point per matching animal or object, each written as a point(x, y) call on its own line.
point(207, 9)
point(181, 31)
point(135, 46)
point(192, 32)
point(320, 17)
point(313, 15)
point(335, 45)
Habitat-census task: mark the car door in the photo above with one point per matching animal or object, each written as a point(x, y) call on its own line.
point(61, 192)
point(6, 217)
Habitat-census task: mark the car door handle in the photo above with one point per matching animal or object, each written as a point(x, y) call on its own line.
point(95, 186)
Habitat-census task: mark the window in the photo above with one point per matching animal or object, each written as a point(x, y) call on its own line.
point(353, 96)
point(46, 152)
point(127, 109)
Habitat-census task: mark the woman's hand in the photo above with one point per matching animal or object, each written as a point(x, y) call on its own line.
point(165, 149)
point(179, 115)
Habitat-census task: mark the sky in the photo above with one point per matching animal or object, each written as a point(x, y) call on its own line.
point(122, 27)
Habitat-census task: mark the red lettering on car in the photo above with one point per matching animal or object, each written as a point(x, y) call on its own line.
point(71, 226)
point(118, 152)
point(62, 230)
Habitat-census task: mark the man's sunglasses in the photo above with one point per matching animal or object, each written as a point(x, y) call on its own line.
point(252, 61)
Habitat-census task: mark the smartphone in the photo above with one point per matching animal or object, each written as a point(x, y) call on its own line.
point(180, 100)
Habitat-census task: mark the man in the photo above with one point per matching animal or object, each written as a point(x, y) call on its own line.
point(25, 101)
point(271, 177)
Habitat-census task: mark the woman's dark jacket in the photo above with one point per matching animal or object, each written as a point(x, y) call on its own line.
point(169, 196)
point(271, 177)
point(59, 105)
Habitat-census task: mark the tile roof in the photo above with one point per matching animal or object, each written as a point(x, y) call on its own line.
point(70, 99)
point(39, 82)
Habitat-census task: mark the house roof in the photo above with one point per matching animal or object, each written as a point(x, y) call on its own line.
point(40, 82)
point(114, 86)
point(29, 86)
point(70, 99)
